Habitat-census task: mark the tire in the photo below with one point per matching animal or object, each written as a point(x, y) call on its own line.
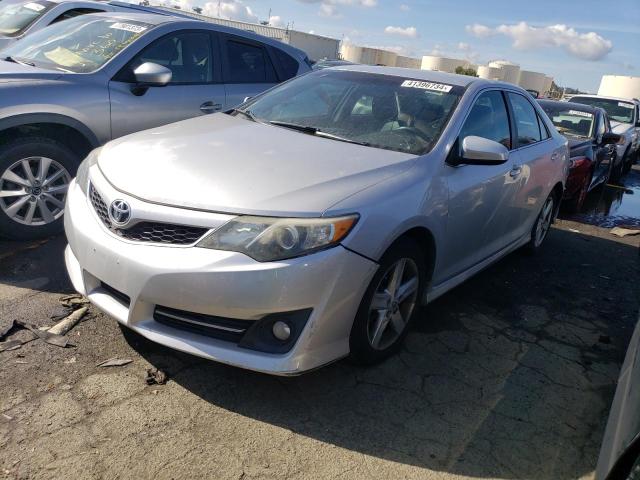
point(377, 333)
point(575, 203)
point(37, 210)
point(543, 221)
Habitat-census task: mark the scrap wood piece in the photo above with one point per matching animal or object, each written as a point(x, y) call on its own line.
point(73, 301)
point(114, 362)
point(624, 231)
point(69, 322)
point(48, 337)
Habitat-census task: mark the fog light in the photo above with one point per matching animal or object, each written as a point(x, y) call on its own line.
point(281, 330)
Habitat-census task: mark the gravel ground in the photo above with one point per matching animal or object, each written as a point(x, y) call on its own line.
point(508, 376)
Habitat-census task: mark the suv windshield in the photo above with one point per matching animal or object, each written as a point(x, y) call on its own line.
point(570, 121)
point(617, 110)
point(381, 111)
point(17, 15)
point(79, 45)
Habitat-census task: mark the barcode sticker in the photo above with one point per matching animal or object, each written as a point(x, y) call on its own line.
point(438, 87)
point(129, 27)
point(625, 105)
point(580, 114)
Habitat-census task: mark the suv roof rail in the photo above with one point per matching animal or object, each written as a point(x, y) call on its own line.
point(149, 9)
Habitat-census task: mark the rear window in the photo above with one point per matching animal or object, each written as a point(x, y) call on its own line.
point(17, 16)
point(249, 63)
point(287, 63)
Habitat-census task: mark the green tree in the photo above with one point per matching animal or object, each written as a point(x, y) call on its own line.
point(466, 71)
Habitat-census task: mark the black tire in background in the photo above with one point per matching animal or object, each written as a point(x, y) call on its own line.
point(16, 150)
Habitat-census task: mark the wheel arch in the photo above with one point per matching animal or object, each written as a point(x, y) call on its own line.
point(427, 244)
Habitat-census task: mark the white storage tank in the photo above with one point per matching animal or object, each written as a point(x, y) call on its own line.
point(442, 64)
point(408, 62)
point(620, 86)
point(532, 80)
point(367, 55)
point(489, 73)
point(510, 71)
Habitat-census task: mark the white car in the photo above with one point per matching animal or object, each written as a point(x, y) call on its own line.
point(625, 120)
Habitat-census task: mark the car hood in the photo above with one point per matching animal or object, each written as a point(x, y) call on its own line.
point(229, 164)
point(620, 128)
point(16, 72)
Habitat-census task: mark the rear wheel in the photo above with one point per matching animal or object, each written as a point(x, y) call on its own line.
point(389, 304)
point(34, 177)
point(542, 224)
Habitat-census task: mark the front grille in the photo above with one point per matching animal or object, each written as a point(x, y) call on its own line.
point(228, 329)
point(154, 232)
point(121, 297)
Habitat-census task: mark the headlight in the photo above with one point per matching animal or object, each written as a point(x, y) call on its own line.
point(82, 176)
point(268, 239)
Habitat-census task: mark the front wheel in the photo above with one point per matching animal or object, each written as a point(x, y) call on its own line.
point(389, 304)
point(34, 177)
point(542, 224)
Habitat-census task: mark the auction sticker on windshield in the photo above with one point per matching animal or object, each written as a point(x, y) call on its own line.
point(36, 7)
point(438, 87)
point(129, 27)
point(580, 114)
point(625, 105)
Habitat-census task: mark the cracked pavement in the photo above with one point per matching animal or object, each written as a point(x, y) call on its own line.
point(508, 376)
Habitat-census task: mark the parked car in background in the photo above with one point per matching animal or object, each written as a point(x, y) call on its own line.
point(592, 147)
point(625, 120)
point(322, 64)
point(23, 17)
point(77, 84)
point(309, 223)
point(620, 451)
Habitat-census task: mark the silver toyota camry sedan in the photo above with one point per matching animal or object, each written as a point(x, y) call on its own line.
point(311, 222)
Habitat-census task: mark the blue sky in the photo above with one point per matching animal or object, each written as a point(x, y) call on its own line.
point(574, 41)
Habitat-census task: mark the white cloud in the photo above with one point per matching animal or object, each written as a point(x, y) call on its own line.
point(276, 21)
point(329, 8)
point(404, 32)
point(404, 7)
point(587, 46)
point(230, 10)
point(465, 47)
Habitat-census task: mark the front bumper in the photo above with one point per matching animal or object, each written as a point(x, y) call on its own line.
point(223, 284)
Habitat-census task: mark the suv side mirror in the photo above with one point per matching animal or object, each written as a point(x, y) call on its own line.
point(481, 151)
point(152, 75)
point(610, 138)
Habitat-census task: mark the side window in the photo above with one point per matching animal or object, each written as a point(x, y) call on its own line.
point(187, 55)
point(489, 119)
point(526, 120)
point(76, 12)
point(544, 133)
point(249, 63)
point(288, 64)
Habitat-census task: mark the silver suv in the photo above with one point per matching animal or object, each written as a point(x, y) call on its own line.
point(77, 84)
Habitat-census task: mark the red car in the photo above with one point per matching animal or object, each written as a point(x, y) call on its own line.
point(591, 146)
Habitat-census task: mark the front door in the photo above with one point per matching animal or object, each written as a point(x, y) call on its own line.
point(481, 197)
point(194, 88)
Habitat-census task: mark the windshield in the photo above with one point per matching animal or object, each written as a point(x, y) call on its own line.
point(17, 15)
point(617, 110)
point(380, 111)
point(79, 45)
point(570, 121)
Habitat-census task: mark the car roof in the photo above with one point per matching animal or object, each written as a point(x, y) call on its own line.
point(581, 107)
point(150, 18)
point(617, 99)
point(426, 75)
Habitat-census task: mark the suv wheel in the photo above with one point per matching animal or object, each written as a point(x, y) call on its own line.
point(34, 177)
point(389, 304)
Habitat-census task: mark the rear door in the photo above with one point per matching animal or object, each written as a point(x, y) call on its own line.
point(534, 159)
point(195, 87)
point(247, 68)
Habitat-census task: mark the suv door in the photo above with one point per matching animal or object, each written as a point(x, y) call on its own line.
point(481, 197)
point(533, 157)
point(194, 89)
point(247, 68)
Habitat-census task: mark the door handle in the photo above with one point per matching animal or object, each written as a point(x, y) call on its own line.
point(515, 171)
point(210, 107)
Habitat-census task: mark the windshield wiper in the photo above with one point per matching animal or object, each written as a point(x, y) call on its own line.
point(317, 132)
point(246, 113)
point(15, 60)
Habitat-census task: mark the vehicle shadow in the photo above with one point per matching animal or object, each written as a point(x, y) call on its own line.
point(510, 375)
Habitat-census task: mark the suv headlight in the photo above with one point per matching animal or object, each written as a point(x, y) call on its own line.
point(267, 239)
point(82, 175)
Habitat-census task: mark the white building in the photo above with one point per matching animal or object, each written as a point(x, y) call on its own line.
point(510, 70)
point(317, 47)
point(408, 62)
point(490, 73)
point(443, 64)
point(367, 55)
point(532, 81)
point(620, 86)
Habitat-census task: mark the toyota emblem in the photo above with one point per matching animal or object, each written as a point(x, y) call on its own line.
point(119, 212)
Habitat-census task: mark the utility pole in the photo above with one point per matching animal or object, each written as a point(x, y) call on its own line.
point(219, 8)
point(269, 17)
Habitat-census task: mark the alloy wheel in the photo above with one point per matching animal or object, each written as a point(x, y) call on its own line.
point(544, 221)
point(393, 303)
point(33, 190)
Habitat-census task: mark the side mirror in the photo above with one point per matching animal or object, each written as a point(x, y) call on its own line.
point(152, 75)
point(610, 138)
point(481, 151)
point(246, 99)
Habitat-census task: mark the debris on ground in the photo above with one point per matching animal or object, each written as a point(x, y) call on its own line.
point(155, 376)
point(115, 362)
point(69, 322)
point(48, 337)
point(7, 417)
point(624, 231)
